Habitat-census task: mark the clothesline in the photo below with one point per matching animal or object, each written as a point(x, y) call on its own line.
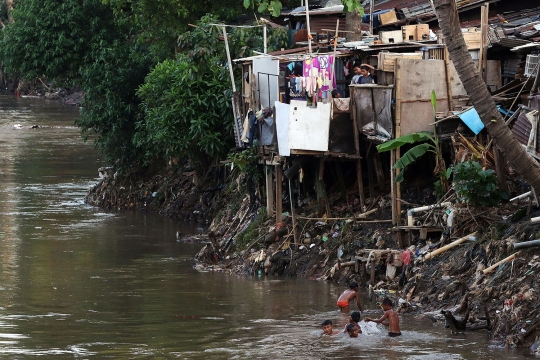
point(238, 26)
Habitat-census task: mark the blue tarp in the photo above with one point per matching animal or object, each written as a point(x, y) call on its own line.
point(472, 120)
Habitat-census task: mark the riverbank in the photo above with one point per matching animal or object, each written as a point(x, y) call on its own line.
point(243, 239)
point(503, 299)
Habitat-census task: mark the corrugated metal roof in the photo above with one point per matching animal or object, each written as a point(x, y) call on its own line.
point(522, 129)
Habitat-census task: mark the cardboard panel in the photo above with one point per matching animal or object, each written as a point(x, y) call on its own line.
point(388, 17)
point(309, 127)
point(409, 32)
point(422, 32)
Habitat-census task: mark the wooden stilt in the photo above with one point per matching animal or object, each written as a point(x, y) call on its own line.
point(379, 171)
point(324, 206)
point(395, 215)
point(372, 273)
point(279, 197)
point(292, 213)
point(360, 182)
point(339, 173)
point(399, 235)
point(371, 178)
point(269, 191)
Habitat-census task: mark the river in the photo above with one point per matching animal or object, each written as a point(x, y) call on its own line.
point(80, 282)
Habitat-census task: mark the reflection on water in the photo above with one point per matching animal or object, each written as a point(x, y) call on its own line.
point(78, 282)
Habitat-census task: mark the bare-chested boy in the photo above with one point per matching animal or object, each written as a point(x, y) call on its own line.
point(348, 295)
point(391, 315)
point(328, 328)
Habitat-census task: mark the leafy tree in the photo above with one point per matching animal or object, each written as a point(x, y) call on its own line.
point(51, 38)
point(187, 111)
point(80, 42)
point(160, 22)
point(274, 6)
point(187, 102)
point(111, 107)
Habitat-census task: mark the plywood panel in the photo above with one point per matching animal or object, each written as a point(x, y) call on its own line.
point(420, 77)
point(309, 126)
point(415, 81)
point(457, 86)
point(387, 60)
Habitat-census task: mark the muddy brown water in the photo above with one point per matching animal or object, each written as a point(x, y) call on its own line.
point(80, 282)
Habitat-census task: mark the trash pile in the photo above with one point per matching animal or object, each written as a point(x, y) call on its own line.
point(470, 276)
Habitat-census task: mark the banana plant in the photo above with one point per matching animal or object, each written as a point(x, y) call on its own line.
point(430, 143)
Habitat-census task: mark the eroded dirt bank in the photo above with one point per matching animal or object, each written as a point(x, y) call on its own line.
point(243, 239)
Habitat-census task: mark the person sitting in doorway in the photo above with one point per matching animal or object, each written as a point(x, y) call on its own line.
point(363, 74)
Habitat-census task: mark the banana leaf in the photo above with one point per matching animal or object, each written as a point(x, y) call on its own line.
point(402, 140)
point(409, 157)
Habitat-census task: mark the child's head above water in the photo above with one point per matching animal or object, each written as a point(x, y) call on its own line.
point(353, 285)
point(327, 327)
point(355, 316)
point(387, 303)
point(352, 330)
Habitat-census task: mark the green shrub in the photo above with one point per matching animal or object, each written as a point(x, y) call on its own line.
point(475, 186)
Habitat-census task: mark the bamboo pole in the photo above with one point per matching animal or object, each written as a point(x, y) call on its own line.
point(229, 58)
point(308, 27)
point(361, 216)
point(264, 38)
point(447, 247)
point(492, 267)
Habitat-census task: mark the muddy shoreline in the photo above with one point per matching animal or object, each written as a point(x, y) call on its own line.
point(242, 239)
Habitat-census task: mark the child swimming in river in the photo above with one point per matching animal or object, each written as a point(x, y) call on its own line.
point(348, 295)
point(352, 330)
point(353, 320)
point(391, 315)
point(328, 328)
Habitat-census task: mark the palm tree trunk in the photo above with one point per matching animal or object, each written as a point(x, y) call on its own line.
point(513, 152)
